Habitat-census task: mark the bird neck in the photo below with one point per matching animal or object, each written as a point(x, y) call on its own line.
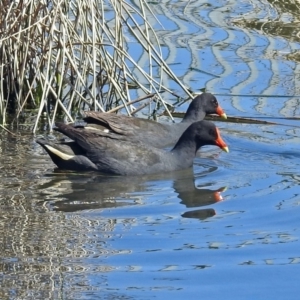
point(186, 147)
point(194, 113)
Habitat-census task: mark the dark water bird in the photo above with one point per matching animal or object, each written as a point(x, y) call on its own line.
point(111, 153)
point(153, 133)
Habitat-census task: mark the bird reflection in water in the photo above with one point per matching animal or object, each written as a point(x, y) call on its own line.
point(199, 213)
point(69, 192)
point(192, 196)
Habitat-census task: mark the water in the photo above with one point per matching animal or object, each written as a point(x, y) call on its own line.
point(228, 229)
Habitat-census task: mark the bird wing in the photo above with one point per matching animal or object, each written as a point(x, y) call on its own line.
point(122, 124)
point(114, 153)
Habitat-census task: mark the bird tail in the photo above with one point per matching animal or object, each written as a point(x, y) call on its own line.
point(67, 155)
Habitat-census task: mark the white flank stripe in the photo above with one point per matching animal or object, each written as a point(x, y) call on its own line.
point(59, 154)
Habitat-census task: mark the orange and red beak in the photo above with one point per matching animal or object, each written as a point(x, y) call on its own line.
point(218, 194)
point(219, 142)
point(221, 112)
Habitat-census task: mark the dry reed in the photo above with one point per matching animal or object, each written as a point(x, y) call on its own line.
point(58, 57)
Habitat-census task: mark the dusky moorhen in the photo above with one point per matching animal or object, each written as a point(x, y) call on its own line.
point(116, 154)
point(153, 133)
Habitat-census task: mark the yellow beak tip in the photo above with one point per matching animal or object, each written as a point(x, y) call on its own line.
point(224, 116)
point(225, 149)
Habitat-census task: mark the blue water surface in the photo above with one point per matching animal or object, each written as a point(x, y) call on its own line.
point(226, 229)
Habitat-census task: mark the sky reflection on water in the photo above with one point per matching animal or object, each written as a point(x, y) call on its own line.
point(229, 228)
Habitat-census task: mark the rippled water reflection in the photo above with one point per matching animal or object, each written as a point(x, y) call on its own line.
point(227, 229)
point(231, 223)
